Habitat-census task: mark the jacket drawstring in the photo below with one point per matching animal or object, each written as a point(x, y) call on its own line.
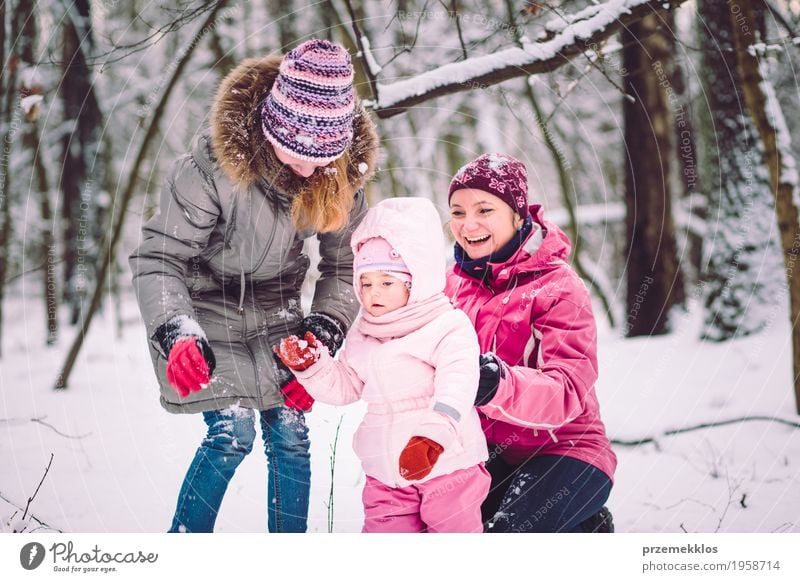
point(550, 431)
point(241, 294)
point(507, 298)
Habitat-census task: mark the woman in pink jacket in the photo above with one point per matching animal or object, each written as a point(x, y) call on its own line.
point(414, 359)
point(549, 457)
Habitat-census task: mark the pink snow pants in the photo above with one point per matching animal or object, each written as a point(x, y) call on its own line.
point(449, 503)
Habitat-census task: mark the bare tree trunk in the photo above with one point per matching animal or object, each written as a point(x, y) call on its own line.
point(653, 274)
point(29, 87)
point(110, 248)
point(11, 121)
point(2, 47)
point(744, 262)
point(782, 166)
point(48, 244)
point(687, 173)
point(82, 216)
point(224, 61)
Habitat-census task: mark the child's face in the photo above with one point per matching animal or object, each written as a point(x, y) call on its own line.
point(382, 293)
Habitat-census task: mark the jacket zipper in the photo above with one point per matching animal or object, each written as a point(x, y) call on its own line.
point(252, 360)
point(260, 260)
point(267, 246)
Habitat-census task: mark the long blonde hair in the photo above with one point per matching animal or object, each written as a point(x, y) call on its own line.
point(324, 204)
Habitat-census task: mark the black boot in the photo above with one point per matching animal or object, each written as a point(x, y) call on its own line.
point(600, 522)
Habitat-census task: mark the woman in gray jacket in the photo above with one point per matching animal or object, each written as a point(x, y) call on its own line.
point(219, 269)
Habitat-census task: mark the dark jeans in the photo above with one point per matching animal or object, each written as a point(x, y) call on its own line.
point(547, 493)
point(231, 434)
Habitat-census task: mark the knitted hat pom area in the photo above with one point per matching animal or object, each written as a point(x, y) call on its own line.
point(309, 111)
point(500, 175)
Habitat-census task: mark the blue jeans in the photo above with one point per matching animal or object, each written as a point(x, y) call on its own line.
point(547, 493)
point(231, 433)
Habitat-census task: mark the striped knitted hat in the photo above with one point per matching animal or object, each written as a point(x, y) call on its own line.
point(309, 111)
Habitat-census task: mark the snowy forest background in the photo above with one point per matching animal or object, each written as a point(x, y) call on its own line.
point(653, 131)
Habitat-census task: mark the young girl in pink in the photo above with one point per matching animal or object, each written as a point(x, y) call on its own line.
point(414, 359)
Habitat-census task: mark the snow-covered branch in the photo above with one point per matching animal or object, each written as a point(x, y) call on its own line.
point(568, 41)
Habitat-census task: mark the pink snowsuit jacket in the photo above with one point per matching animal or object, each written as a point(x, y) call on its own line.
point(421, 383)
point(535, 313)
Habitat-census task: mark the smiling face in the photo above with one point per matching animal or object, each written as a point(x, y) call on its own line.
point(382, 293)
point(300, 167)
point(481, 223)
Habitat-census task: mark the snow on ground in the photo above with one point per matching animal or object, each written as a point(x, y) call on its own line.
point(119, 458)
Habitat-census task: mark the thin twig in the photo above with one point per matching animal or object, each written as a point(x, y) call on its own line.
point(333, 470)
point(32, 497)
point(648, 440)
point(409, 48)
point(33, 517)
point(373, 82)
point(32, 270)
point(48, 425)
point(604, 73)
point(104, 59)
point(454, 10)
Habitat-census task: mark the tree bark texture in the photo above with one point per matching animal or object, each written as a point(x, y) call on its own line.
point(78, 181)
point(741, 243)
point(769, 121)
point(654, 281)
point(11, 118)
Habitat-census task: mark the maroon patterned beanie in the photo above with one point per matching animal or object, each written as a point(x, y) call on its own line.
point(499, 175)
point(309, 111)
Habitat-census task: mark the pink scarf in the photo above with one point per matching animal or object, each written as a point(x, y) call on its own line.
point(403, 321)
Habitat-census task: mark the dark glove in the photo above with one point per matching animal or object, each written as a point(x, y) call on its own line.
point(328, 330)
point(491, 373)
point(418, 458)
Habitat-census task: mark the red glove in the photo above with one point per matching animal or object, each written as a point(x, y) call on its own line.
point(187, 369)
point(295, 396)
point(299, 354)
point(419, 457)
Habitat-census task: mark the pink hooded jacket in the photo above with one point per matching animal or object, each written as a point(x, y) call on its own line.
point(416, 367)
point(535, 313)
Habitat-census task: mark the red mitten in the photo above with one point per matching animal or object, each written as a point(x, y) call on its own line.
point(187, 369)
point(419, 457)
point(295, 396)
point(299, 354)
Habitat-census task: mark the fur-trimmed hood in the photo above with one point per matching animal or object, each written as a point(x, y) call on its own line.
point(240, 147)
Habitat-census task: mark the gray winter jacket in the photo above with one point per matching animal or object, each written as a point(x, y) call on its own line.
point(223, 251)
